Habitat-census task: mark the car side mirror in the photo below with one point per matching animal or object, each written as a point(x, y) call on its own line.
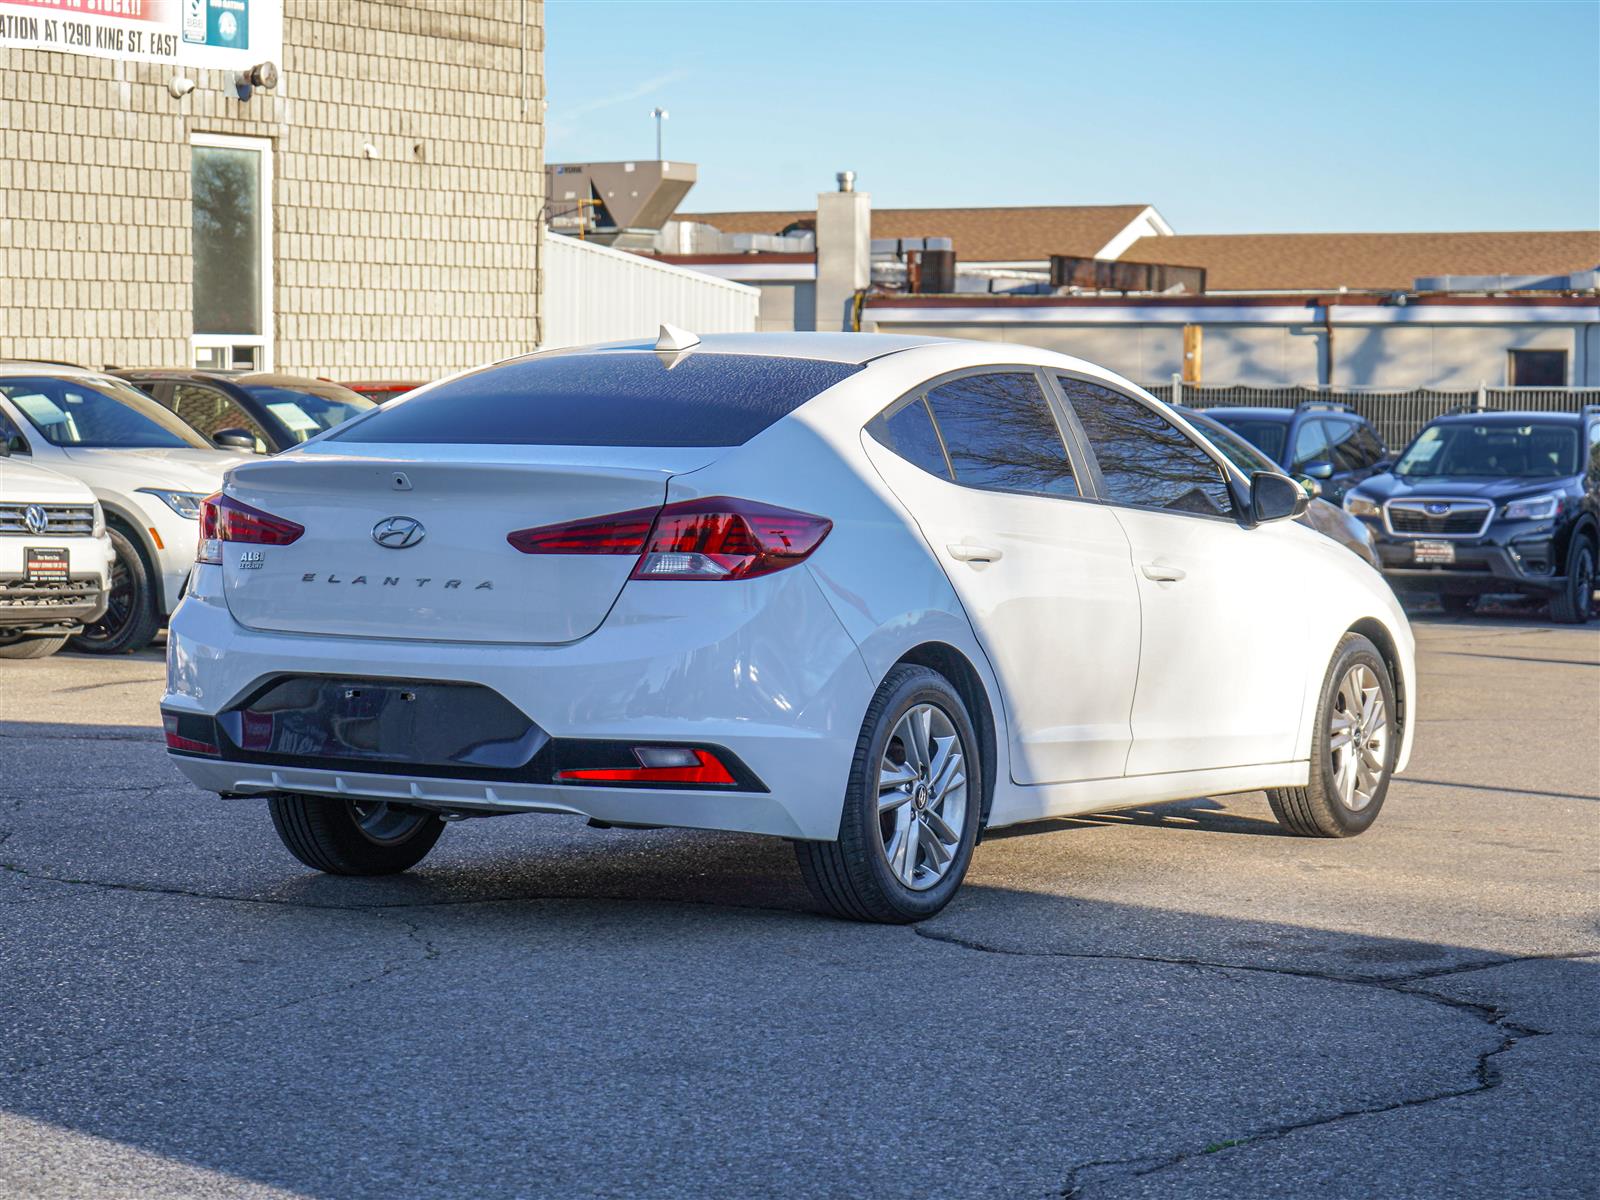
point(234, 439)
point(1318, 470)
point(1275, 497)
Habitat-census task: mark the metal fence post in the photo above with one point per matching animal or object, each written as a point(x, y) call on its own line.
point(1177, 387)
point(1483, 395)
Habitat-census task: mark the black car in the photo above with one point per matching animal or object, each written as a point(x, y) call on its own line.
point(1319, 440)
point(265, 413)
point(1327, 519)
point(1485, 502)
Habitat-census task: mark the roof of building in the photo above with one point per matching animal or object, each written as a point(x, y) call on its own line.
point(1029, 233)
point(1365, 261)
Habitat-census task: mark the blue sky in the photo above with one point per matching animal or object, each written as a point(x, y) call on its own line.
point(1227, 117)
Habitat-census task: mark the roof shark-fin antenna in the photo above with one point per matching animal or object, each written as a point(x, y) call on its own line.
point(672, 340)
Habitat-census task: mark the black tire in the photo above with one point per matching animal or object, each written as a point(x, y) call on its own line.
point(131, 618)
point(851, 876)
point(328, 834)
point(1574, 603)
point(1457, 604)
point(31, 647)
point(1318, 810)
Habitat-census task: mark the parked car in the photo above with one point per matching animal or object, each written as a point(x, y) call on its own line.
point(1483, 503)
point(870, 593)
point(148, 469)
point(55, 557)
point(1327, 519)
point(381, 391)
point(1319, 440)
point(259, 413)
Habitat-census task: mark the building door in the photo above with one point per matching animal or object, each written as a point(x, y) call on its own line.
point(231, 188)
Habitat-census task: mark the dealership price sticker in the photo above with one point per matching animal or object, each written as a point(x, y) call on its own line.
point(227, 35)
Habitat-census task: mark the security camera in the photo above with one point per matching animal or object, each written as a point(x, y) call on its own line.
point(180, 86)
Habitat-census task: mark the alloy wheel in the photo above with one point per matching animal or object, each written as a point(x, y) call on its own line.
point(119, 605)
point(922, 796)
point(1358, 737)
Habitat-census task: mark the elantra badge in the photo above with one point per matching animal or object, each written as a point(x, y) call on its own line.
point(398, 533)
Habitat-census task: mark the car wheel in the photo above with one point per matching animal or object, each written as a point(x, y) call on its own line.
point(1456, 604)
point(31, 647)
point(1352, 751)
point(1574, 603)
point(131, 620)
point(911, 809)
point(354, 837)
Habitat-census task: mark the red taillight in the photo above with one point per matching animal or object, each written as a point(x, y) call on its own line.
point(715, 538)
point(657, 764)
point(224, 519)
point(618, 533)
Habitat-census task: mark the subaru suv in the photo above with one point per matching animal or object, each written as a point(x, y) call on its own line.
point(1487, 502)
point(1319, 441)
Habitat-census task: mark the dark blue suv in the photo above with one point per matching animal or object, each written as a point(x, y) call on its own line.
point(1487, 502)
point(1322, 441)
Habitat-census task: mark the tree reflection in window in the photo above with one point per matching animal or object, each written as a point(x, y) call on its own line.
point(1001, 436)
point(1144, 458)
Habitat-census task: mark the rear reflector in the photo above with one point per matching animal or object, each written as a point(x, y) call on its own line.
point(224, 519)
point(716, 538)
point(657, 764)
point(187, 734)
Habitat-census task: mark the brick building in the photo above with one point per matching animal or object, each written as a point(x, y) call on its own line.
point(375, 211)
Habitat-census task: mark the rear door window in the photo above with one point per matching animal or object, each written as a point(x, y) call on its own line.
point(616, 398)
point(1144, 459)
point(1347, 455)
point(911, 435)
point(1001, 435)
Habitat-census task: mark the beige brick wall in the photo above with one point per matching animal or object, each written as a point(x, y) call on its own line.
point(418, 262)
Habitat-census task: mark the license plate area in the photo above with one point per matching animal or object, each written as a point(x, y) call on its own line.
point(384, 720)
point(1433, 554)
point(45, 564)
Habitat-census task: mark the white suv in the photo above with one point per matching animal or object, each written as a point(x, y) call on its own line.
point(54, 559)
point(148, 469)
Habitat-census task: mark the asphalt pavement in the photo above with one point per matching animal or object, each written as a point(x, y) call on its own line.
point(1175, 1001)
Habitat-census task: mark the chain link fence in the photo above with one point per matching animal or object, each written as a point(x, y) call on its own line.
point(1396, 413)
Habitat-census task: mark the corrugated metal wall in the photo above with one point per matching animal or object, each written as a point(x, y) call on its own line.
point(596, 294)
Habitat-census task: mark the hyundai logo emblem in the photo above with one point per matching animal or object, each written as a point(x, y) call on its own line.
point(1437, 510)
point(35, 518)
point(398, 533)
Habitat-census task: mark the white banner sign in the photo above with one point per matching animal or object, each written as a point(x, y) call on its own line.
point(229, 35)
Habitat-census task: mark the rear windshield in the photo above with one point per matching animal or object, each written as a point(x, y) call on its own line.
point(1265, 434)
point(621, 398)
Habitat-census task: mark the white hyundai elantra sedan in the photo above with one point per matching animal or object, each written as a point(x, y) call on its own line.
point(872, 594)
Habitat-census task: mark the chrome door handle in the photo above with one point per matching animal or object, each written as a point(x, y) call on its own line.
point(1162, 573)
point(967, 552)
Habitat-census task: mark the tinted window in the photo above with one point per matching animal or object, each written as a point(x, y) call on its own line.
point(1347, 454)
point(620, 398)
point(1001, 436)
point(1368, 446)
point(1310, 445)
point(1234, 448)
point(1144, 458)
point(910, 434)
point(69, 412)
point(1265, 434)
point(305, 412)
point(209, 411)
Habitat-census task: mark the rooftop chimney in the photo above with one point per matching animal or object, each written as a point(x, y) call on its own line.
point(847, 181)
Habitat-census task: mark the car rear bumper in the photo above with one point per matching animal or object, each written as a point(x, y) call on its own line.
point(762, 668)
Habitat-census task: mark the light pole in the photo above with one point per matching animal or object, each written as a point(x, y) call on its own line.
point(660, 114)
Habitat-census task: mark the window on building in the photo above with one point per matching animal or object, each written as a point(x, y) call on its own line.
point(231, 189)
point(1144, 459)
point(1538, 368)
point(911, 435)
point(1001, 436)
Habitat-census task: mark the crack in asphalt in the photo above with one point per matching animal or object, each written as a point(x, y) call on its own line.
point(1486, 1075)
